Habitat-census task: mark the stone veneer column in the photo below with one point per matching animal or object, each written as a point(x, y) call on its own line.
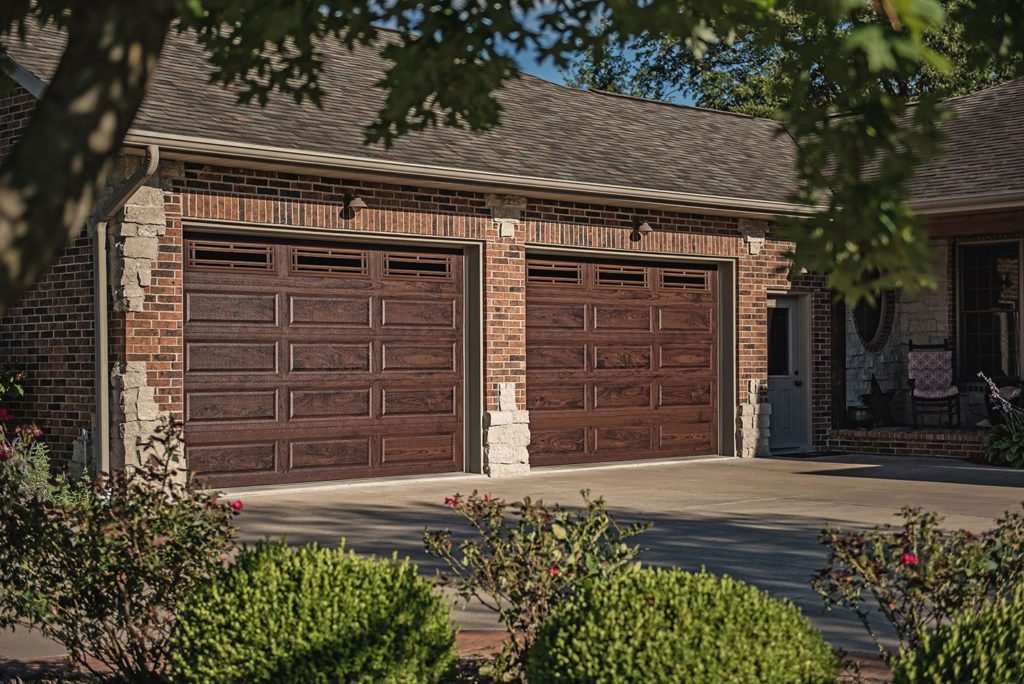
point(134, 244)
point(506, 431)
point(753, 424)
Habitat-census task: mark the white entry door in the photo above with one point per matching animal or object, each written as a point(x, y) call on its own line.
point(788, 381)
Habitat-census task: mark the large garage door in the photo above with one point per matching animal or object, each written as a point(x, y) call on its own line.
point(307, 361)
point(621, 360)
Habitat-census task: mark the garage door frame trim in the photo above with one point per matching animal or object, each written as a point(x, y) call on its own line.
point(727, 307)
point(473, 318)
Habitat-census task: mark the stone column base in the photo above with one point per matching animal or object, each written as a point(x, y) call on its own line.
point(753, 429)
point(506, 438)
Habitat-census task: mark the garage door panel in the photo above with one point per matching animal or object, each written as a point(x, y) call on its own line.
point(685, 356)
point(330, 453)
point(219, 357)
point(623, 438)
point(645, 360)
point(335, 361)
point(622, 318)
point(555, 397)
point(418, 313)
point(688, 393)
point(556, 316)
point(419, 401)
point(422, 356)
point(329, 403)
point(556, 441)
point(423, 449)
point(204, 407)
point(226, 308)
point(226, 459)
point(695, 438)
point(319, 356)
point(613, 395)
point(571, 356)
point(329, 311)
point(686, 319)
point(622, 357)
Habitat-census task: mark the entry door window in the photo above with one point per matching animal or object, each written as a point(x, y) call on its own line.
point(778, 340)
point(990, 288)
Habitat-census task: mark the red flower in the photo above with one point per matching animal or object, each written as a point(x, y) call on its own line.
point(449, 501)
point(554, 571)
point(37, 433)
point(909, 559)
point(487, 497)
point(4, 415)
point(237, 505)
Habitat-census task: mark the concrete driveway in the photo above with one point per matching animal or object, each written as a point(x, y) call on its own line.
point(757, 520)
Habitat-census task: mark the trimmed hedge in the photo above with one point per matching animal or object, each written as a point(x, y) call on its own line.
point(314, 615)
point(654, 626)
point(987, 646)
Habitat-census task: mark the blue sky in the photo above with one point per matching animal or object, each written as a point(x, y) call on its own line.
point(545, 70)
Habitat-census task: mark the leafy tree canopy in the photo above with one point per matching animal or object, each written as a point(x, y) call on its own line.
point(453, 56)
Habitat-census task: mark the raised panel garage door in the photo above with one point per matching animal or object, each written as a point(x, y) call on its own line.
point(308, 361)
point(621, 360)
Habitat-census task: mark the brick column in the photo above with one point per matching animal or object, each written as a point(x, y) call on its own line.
point(506, 426)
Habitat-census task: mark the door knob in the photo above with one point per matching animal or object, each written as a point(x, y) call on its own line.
point(798, 383)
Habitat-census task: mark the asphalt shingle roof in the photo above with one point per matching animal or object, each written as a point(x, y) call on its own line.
point(546, 130)
point(984, 146)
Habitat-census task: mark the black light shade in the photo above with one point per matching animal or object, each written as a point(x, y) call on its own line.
point(639, 231)
point(352, 205)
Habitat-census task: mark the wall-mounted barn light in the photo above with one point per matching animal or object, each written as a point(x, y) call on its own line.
point(640, 230)
point(351, 205)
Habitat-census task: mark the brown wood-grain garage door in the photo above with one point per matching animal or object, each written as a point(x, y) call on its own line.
point(621, 360)
point(307, 361)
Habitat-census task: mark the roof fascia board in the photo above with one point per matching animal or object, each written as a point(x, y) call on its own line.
point(267, 157)
point(22, 76)
point(969, 203)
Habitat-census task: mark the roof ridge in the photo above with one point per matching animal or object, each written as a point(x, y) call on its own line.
point(994, 86)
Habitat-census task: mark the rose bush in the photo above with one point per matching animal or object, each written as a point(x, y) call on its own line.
point(524, 567)
point(919, 576)
point(102, 572)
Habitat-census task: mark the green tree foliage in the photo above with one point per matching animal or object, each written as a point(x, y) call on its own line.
point(453, 57)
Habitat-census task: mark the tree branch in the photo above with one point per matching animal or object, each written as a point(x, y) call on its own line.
point(52, 178)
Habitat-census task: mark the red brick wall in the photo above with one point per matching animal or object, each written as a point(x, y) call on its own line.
point(238, 195)
point(15, 111)
point(49, 331)
point(898, 442)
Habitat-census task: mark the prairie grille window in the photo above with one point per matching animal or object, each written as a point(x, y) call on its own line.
point(215, 255)
point(621, 276)
point(417, 266)
point(328, 261)
point(683, 279)
point(554, 273)
point(990, 284)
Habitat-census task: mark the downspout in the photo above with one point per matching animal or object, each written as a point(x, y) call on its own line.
point(105, 209)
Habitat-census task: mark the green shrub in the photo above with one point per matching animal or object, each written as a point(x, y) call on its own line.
point(1005, 445)
point(983, 646)
point(102, 570)
point(314, 615)
point(655, 626)
point(919, 576)
point(524, 567)
point(25, 463)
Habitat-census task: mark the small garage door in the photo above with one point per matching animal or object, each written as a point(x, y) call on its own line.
point(621, 360)
point(308, 361)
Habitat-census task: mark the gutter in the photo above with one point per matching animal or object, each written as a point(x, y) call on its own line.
point(214, 150)
point(104, 210)
point(962, 203)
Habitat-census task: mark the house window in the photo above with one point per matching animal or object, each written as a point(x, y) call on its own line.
point(990, 290)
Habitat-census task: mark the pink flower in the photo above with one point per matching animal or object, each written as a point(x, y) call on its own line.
point(487, 497)
point(37, 433)
point(237, 505)
point(554, 571)
point(909, 559)
point(4, 415)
